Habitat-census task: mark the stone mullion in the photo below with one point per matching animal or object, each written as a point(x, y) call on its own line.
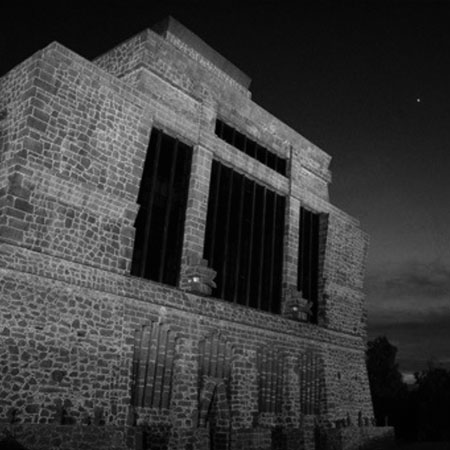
point(291, 243)
point(197, 207)
point(290, 254)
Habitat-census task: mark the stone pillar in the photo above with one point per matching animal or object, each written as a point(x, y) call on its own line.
point(290, 261)
point(196, 211)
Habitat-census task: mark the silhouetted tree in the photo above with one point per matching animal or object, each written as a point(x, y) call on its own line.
point(432, 398)
point(389, 392)
point(420, 413)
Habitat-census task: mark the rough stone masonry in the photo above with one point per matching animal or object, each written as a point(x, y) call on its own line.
point(134, 313)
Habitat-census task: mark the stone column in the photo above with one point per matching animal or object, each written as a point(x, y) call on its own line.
point(290, 261)
point(195, 222)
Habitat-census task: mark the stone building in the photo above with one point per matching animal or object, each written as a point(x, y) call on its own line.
point(173, 274)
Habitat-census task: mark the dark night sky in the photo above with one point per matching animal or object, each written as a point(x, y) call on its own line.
point(349, 77)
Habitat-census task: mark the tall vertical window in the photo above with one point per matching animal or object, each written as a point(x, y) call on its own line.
point(308, 258)
point(162, 199)
point(244, 239)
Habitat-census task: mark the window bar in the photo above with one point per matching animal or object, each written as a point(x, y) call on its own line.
point(265, 153)
point(224, 132)
point(150, 204)
point(219, 128)
point(225, 237)
point(281, 166)
point(272, 245)
point(244, 148)
point(310, 255)
point(250, 250)
point(238, 256)
point(218, 167)
point(304, 274)
point(276, 163)
point(300, 254)
point(261, 258)
point(168, 210)
point(315, 255)
point(264, 156)
point(233, 137)
point(249, 145)
point(306, 254)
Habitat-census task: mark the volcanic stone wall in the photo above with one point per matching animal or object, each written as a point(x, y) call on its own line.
point(73, 322)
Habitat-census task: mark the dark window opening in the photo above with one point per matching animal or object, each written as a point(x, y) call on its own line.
point(244, 239)
point(250, 147)
point(308, 258)
point(162, 198)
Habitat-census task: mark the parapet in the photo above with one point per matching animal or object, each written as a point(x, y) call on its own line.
point(192, 45)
